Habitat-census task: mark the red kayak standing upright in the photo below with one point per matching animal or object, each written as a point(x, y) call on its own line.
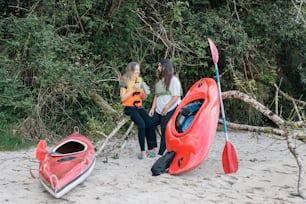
point(192, 128)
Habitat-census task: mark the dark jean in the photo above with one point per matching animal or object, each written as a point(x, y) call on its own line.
point(146, 129)
point(158, 119)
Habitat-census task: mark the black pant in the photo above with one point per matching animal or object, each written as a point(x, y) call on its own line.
point(158, 119)
point(146, 129)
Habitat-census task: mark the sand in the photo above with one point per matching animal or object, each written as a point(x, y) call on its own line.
point(267, 173)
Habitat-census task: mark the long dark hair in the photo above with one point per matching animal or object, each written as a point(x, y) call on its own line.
point(167, 72)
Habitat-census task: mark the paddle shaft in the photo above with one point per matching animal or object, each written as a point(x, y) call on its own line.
point(229, 156)
point(221, 101)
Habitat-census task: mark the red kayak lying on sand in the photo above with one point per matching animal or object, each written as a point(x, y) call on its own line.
point(192, 128)
point(68, 163)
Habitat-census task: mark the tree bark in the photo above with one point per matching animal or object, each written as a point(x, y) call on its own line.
point(255, 104)
point(104, 105)
point(114, 132)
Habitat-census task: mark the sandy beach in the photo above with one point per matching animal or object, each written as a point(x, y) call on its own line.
point(267, 173)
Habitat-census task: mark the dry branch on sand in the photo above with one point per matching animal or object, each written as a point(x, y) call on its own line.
point(290, 130)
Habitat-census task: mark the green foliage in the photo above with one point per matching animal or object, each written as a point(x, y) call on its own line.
point(179, 39)
point(54, 54)
point(9, 141)
point(178, 8)
point(280, 47)
point(50, 74)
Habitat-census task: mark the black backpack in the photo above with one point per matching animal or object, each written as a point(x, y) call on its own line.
point(162, 164)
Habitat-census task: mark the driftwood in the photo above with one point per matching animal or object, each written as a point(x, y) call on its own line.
point(290, 130)
point(114, 132)
point(101, 103)
point(299, 161)
point(255, 104)
point(298, 125)
point(125, 139)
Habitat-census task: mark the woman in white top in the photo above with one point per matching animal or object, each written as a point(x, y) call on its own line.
point(168, 93)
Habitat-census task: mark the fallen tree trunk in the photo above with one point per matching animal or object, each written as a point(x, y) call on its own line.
point(299, 134)
point(101, 103)
point(255, 104)
point(290, 130)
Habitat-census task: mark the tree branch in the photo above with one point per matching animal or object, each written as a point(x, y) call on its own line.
point(255, 104)
point(120, 124)
point(290, 130)
point(103, 104)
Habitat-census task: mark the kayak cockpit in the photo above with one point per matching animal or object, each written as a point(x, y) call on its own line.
point(69, 147)
point(186, 115)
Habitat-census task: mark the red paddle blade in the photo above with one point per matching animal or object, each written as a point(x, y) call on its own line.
point(41, 150)
point(229, 159)
point(214, 51)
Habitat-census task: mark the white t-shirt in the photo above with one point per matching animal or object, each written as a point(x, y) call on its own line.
point(175, 90)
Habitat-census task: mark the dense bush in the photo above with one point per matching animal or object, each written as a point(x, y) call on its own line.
point(54, 54)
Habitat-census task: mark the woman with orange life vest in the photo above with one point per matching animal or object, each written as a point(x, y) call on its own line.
point(132, 94)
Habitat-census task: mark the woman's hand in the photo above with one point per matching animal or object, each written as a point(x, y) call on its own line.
point(151, 112)
point(165, 110)
point(136, 86)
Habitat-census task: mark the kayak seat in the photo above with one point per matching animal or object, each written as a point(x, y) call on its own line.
point(186, 115)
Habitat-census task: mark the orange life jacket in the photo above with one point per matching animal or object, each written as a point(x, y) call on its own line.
point(136, 98)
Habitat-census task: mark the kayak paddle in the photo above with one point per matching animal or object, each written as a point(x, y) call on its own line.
point(229, 156)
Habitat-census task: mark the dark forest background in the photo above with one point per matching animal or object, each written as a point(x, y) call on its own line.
point(56, 55)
